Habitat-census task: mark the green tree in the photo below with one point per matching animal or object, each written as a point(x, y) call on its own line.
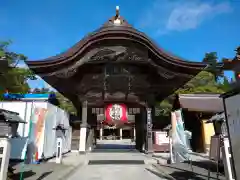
point(14, 79)
point(205, 82)
point(212, 59)
point(66, 104)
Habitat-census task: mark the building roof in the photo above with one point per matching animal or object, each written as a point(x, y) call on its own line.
point(111, 32)
point(26, 97)
point(78, 72)
point(201, 102)
point(11, 116)
point(117, 28)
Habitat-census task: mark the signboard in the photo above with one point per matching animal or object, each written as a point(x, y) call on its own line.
point(149, 122)
point(161, 138)
point(232, 111)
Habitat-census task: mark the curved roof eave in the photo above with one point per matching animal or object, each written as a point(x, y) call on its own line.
point(118, 33)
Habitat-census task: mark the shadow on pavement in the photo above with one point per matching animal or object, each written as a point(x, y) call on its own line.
point(183, 172)
point(160, 175)
point(208, 165)
point(116, 162)
point(26, 174)
point(185, 175)
point(44, 175)
point(159, 156)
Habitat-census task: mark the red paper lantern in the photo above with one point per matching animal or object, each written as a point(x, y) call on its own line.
point(116, 114)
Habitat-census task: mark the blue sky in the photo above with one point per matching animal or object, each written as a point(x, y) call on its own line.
point(186, 28)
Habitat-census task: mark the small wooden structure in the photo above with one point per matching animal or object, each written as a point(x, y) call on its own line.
point(9, 121)
point(197, 109)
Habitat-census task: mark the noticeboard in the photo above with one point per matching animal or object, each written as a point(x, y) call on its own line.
point(161, 138)
point(232, 111)
point(214, 153)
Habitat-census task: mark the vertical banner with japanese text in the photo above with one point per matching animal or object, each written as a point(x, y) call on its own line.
point(179, 145)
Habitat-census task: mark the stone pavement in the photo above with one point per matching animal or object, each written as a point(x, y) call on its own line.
point(162, 158)
point(116, 165)
point(116, 172)
point(49, 170)
point(184, 171)
point(116, 160)
point(37, 171)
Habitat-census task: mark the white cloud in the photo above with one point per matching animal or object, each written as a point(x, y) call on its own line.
point(171, 15)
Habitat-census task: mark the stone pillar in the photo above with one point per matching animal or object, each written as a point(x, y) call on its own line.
point(5, 146)
point(90, 139)
point(150, 113)
point(101, 133)
point(134, 133)
point(120, 133)
point(83, 129)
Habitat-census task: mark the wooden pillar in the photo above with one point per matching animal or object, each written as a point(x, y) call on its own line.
point(83, 129)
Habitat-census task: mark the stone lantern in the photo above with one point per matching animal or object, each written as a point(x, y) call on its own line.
point(8, 129)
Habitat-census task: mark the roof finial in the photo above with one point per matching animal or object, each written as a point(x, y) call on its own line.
point(117, 20)
point(117, 11)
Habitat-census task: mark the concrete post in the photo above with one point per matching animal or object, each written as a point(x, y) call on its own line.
point(5, 148)
point(134, 133)
point(101, 133)
point(59, 151)
point(83, 129)
point(120, 133)
point(90, 139)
